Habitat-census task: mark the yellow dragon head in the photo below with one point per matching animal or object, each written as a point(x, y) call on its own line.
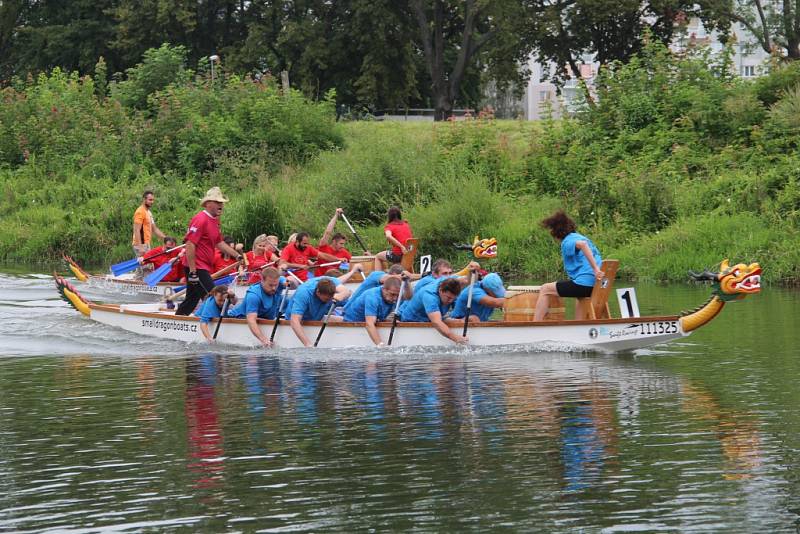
point(739, 280)
point(733, 282)
point(484, 248)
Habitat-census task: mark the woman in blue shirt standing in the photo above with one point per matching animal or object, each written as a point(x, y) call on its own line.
point(581, 262)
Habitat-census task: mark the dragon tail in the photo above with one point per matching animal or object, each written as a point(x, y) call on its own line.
point(71, 295)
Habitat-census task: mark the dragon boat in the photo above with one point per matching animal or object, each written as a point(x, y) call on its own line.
point(594, 331)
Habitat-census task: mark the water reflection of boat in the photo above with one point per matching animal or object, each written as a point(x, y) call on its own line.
point(608, 334)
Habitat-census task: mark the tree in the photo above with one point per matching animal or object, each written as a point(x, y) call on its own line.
point(608, 31)
point(455, 36)
point(775, 25)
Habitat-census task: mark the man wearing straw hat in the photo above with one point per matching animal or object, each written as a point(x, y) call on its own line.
point(202, 238)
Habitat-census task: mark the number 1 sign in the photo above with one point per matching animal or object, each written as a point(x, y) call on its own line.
point(628, 307)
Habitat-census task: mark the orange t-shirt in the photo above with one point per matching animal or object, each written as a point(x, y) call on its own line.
point(142, 216)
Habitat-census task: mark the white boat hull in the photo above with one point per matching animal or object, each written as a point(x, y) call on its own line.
point(610, 335)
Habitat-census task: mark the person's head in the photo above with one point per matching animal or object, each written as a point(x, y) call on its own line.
point(148, 198)
point(301, 241)
point(338, 241)
point(169, 242)
point(334, 273)
point(260, 244)
point(219, 293)
point(396, 268)
point(390, 291)
point(441, 267)
point(394, 214)
point(325, 290)
point(214, 201)
point(270, 278)
point(449, 290)
point(273, 242)
point(559, 225)
point(492, 283)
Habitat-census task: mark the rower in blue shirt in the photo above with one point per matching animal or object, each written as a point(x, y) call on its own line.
point(487, 295)
point(372, 306)
point(212, 308)
point(312, 300)
point(262, 301)
point(432, 303)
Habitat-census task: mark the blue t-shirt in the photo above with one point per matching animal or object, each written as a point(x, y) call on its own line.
point(373, 279)
point(423, 302)
point(208, 310)
point(257, 301)
point(575, 263)
point(369, 303)
point(306, 303)
point(460, 307)
point(424, 281)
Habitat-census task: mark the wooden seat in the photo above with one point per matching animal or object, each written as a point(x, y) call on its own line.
point(412, 244)
point(521, 305)
point(596, 306)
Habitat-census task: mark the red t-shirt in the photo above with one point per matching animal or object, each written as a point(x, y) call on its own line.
point(163, 258)
point(401, 231)
point(220, 262)
point(255, 264)
point(292, 254)
point(175, 274)
point(342, 253)
point(204, 233)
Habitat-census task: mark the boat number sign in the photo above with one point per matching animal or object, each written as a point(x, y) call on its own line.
point(654, 328)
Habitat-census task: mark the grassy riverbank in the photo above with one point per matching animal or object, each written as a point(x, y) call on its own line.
point(676, 167)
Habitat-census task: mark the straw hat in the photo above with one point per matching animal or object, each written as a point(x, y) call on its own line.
point(214, 194)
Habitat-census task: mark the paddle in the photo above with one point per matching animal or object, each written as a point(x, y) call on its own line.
point(278, 315)
point(396, 308)
point(221, 315)
point(366, 251)
point(129, 265)
point(472, 277)
point(159, 274)
point(325, 321)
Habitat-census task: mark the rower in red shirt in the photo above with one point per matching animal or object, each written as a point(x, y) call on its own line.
point(262, 255)
point(222, 260)
point(152, 257)
point(397, 232)
point(300, 254)
point(336, 246)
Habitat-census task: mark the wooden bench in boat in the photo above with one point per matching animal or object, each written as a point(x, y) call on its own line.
point(368, 262)
point(521, 300)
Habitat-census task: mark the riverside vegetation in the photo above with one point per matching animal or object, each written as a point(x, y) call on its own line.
point(674, 166)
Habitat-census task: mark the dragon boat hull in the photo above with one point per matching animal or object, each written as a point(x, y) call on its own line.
point(610, 335)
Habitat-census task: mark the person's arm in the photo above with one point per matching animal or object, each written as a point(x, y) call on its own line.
point(137, 234)
point(191, 256)
point(372, 330)
point(584, 247)
point(297, 328)
point(206, 333)
point(329, 229)
point(349, 274)
point(391, 239)
point(442, 328)
point(327, 257)
point(492, 302)
point(252, 323)
point(156, 230)
point(342, 293)
point(222, 246)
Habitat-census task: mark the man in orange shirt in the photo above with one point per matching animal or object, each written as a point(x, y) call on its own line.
point(144, 225)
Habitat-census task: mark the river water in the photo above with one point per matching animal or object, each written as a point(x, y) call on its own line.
point(104, 431)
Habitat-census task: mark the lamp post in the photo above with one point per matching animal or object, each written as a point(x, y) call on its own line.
point(213, 59)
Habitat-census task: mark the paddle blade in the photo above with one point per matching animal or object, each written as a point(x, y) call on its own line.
point(124, 266)
point(158, 275)
point(225, 280)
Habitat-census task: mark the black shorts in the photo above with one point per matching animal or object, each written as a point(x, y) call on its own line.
point(391, 258)
point(568, 288)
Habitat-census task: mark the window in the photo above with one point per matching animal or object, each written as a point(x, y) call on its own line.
point(748, 71)
point(544, 96)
